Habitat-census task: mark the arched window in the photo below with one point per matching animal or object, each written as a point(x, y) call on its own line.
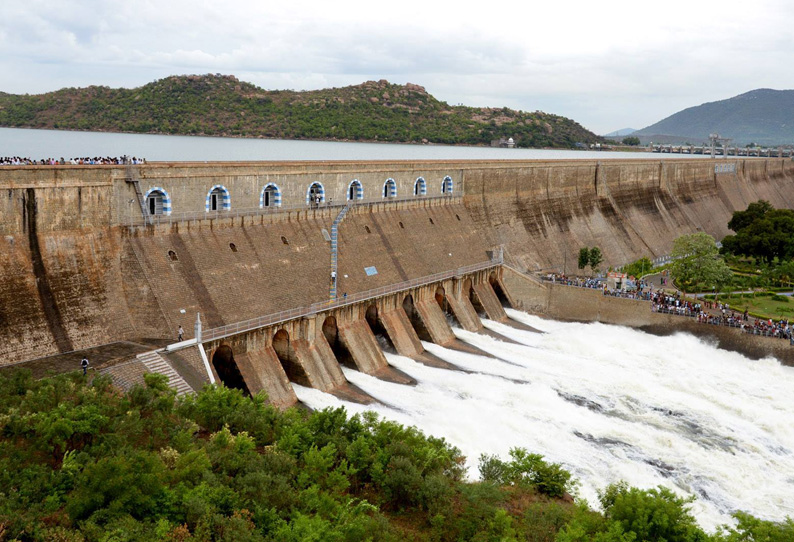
point(355, 191)
point(446, 186)
point(420, 187)
point(389, 189)
point(218, 199)
point(158, 202)
point(270, 196)
point(315, 195)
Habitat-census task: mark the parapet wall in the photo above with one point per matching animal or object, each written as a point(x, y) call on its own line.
point(74, 274)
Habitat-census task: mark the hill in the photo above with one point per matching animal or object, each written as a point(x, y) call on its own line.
point(621, 133)
point(219, 105)
point(762, 116)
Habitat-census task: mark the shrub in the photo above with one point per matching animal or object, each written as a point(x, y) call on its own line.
point(653, 515)
point(527, 469)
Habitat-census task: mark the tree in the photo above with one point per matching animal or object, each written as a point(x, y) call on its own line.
point(638, 268)
point(653, 515)
point(595, 258)
point(584, 257)
point(631, 140)
point(755, 211)
point(697, 263)
point(527, 469)
point(750, 528)
point(761, 232)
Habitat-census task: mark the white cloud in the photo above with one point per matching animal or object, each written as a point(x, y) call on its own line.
point(606, 65)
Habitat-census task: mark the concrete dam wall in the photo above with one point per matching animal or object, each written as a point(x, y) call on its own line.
point(542, 213)
point(81, 268)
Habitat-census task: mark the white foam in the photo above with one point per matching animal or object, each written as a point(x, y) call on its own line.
point(609, 403)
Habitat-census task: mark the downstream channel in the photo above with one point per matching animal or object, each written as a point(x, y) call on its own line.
point(610, 403)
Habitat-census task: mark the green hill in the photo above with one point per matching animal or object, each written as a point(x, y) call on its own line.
point(220, 105)
point(763, 116)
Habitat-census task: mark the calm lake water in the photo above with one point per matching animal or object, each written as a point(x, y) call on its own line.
point(38, 144)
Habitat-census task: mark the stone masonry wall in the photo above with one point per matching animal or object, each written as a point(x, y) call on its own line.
point(544, 213)
point(72, 275)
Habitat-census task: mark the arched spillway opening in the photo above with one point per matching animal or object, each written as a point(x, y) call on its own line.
point(331, 333)
point(379, 330)
point(441, 299)
point(415, 318)
point(227, 369)
point(446, 308)
point(286, 355)
point(493, 280)
point(468, 291)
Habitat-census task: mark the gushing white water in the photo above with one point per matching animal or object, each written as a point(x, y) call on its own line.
point(609, 403)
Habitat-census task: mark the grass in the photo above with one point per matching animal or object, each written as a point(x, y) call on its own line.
point(761, 305)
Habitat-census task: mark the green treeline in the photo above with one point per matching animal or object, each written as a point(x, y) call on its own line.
point(218, 105)
point(81, 461)
point(761, 232)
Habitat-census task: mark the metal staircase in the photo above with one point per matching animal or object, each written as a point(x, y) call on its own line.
point(134, 179)
point(335, 247)
point(156, 364)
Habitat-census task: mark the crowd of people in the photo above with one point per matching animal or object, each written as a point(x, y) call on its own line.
point(80, 161)
point(705, 311)
point(641, 294)
point(673, 304)
point(722, 315)
point(643, 291)
point(580, 282)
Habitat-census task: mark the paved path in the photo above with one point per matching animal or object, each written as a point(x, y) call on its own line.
point(656, 280)
point(98, 357)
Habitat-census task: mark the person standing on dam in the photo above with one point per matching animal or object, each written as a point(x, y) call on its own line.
point(180, 333)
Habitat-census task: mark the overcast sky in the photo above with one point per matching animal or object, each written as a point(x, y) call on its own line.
point(608, 65)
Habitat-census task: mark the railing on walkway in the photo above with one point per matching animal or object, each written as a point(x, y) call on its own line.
point(335, 247)
point(291, 314)
point(710, 319)
point(272, 210)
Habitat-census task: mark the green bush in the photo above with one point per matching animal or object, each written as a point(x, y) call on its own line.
point(146, 466)
point(528, 469)
point(652, 515)
point(638, 268)
point(751, 529)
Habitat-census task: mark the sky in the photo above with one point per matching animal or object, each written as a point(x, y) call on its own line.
point(607, 65)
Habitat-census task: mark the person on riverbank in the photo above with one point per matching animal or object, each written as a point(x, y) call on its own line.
point(84, 365)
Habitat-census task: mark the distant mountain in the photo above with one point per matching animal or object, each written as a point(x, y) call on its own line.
point(623, 132)
point(762, 116)
point(220, 105)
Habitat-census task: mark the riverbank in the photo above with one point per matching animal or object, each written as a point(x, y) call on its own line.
point(573, 304)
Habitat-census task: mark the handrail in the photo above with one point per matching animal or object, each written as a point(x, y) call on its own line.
point(134, 178)
point(291, 314)
point(335, 246)
point(257, 211)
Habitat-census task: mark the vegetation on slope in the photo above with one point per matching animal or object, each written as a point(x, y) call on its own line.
point(223, 106)
point(81, 461)
point(762, 116)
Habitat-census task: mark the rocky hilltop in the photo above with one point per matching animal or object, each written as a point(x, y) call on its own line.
point(763, 116)
point(221, 105)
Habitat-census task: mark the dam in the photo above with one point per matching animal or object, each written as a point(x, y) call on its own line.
point(298, 269)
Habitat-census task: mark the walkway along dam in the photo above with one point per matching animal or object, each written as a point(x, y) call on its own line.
point(298, 267)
